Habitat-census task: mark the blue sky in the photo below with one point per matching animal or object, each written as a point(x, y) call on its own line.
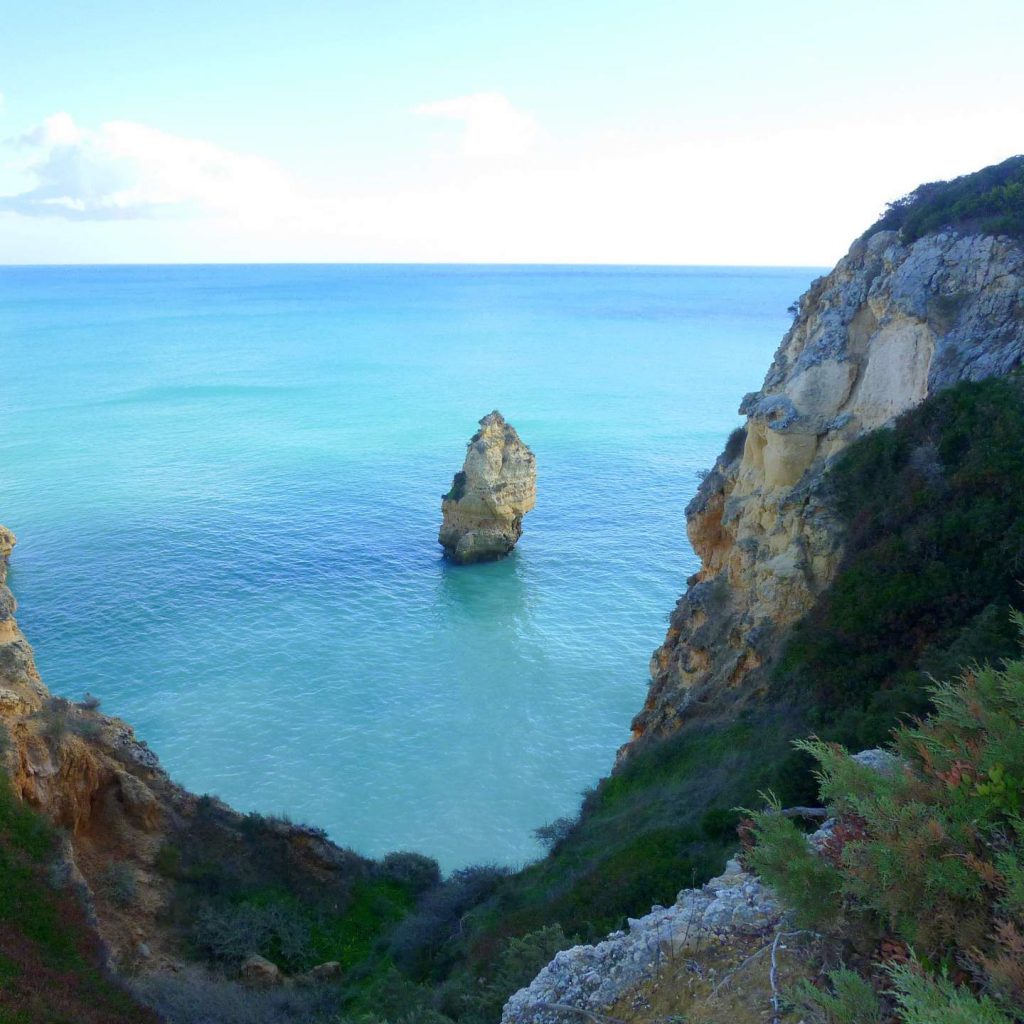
point(732, 132)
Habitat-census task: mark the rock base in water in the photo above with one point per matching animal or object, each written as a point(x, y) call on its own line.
point(497, 485)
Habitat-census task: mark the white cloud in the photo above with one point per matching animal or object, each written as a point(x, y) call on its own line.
point(492, 126)
point(124, 171)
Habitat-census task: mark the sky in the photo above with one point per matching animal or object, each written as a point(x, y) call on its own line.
point(649, 131)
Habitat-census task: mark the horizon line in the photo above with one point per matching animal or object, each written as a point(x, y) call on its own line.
point(415, 263)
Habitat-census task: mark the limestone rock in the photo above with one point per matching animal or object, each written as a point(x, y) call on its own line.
point(329, 971)
point(257, 970)
point(889, 326)
point(592, 979)
point(497, 485)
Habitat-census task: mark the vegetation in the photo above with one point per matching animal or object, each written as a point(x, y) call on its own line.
point(990, 201)
point(458, 488)
point(927, 860)
point(934, 515)
point(49, 958)
point(934, 512)
point(243, 890)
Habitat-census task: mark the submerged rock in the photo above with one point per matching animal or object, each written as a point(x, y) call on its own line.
point(497, 485)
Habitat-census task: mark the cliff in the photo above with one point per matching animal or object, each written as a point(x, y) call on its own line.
point(497, 485)
point(892, 324)
point(164, 874)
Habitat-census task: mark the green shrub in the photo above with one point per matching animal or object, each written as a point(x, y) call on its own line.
point(554, 833)
point(933, 999)
point(990, 201)
point(852, 1000)
point(516, 966)
point(931, 852)
point(413, 871)
point(934, 517)
point(806, 882)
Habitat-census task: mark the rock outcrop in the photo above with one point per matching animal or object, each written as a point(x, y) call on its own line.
point(497, 485)
point(889, 326)
point(722, 922)
point(91, 776)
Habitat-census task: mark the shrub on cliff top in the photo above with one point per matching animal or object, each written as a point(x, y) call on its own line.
point(990, 201)
point(931, 854)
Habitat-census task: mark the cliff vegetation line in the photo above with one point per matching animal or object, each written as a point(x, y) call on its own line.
point(989, 201)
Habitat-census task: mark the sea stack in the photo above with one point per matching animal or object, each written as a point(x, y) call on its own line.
point(497, 485)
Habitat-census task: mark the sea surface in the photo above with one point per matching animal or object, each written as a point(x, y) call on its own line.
point(226, 486)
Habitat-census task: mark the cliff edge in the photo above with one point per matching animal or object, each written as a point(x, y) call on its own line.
point(893, 323)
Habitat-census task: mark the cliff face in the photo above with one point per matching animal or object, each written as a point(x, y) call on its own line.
point(497, 485)
point(88, 773)
point(890, 325)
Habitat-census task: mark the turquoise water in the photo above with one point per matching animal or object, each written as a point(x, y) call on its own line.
point(226, 485)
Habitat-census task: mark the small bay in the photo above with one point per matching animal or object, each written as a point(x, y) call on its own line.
point(226, 486)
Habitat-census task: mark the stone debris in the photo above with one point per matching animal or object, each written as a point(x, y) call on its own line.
point(594, 978)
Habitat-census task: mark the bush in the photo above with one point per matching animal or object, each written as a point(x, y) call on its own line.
point(275, 930)
point(53, 719)
point(517, 965)
point(734, 445)
point(193, 996)
point(932, 853)
point(423, 943)
point(554, 833)
point(413, 871)
point(990, 201)
point(852, 1000)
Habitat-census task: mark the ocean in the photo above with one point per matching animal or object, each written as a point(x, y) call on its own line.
point(226, 485)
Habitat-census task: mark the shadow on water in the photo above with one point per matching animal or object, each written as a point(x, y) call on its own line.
point(492, 597)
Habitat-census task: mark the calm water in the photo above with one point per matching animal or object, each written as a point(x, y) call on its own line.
point(226, 485)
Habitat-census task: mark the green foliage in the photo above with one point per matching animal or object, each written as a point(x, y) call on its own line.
point(554, 833)
point(932, 851)
point(990, 201)
point(412, 871)
point(934, 999)
point(458, 488)
point(934, 513)
point(852, 1000)
point(806, 882)
point(517, 965)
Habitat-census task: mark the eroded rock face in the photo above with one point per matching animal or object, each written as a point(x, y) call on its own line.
point(90, 775)
point(595, 979)
point(497, 485)
point(889, 326)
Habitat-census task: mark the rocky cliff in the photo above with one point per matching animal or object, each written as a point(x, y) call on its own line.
point(890, 325)
point(132, 834)
point(497, 485)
